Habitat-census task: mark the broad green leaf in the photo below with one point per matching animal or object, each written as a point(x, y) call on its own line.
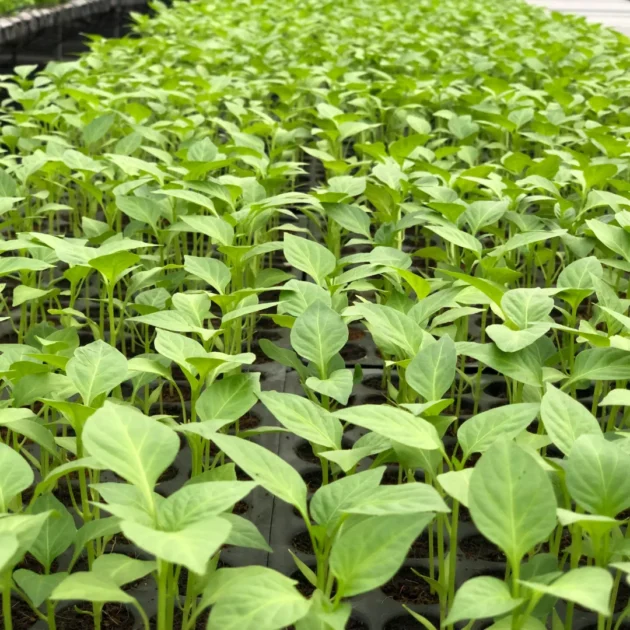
point(458, 238)
point(337, 386)
point(215, 228)
point(526, 307)
point(479, 433)
point(600, 364)
point(512, 501)
point(588, 586)
point(393, 423)
point(614, 238)
point(98, 128)
point(482, 597)
point(136, 447)
point(331, 501)
point(432, 370)
point(210, 270)
point(566, 419)
point(15, 475)
point(310, 257)
point(266, 468)
point(620, 397)
point(229, 398)
point(190, 547)
point(508, 340)
point(318, 335)
point(349, 217)
point(91, 587)
point(598, 476)
point(9, 546)
point(369, 551)
point(38, 587)
point(408, 498)
point(244, 533)
point(197, 502)
point(248, 598)
point(304, 418)
point(122, 569)
point(57, 532)
point(179, 348)
point(96, 369)
point(457, 484)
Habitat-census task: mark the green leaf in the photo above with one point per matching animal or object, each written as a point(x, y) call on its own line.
point(508, 340)
point(57, 532)
point(600, 364)
point(137, 448)
point(408, 498)
point(369, 551)
point(598, 476)
point(190, 547)
point(588, 586)
point(318, 335)
point(432, 370)
point(91, 587)
point(266, 468)
point(96, 369)
point(351, 218)
point(143, 209)
point(614, 238)
point(244, 533)
point(122, 569)
point(393, 423)
point(215, 228)
point(253, 598)
point(479, 433)
point(198, 501)
point(38, 587)
point(457, 237)
point(210, 270)
point(526, 307)
point(229, 398)
point(482, 597)
point(304, 418)
point(97, 128)
point(620, 397)
point(9, 546)
point(457, 484)
point(310, 257)
point(566, 419)
point(512, 501)
point(337, 386)
point(15, 475)
point(332, 501)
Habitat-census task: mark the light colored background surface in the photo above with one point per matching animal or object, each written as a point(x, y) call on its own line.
point(612, 13)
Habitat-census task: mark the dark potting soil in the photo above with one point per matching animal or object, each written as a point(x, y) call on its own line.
point(168, 474)
point(313, 480)
point(353, 352)
point(202, 620)
point(478, 548)
point(302, 542)
point(249, 421)
point(407, 587)
point(303, 585)
point(420, 547)
point(22, 615)
point(407, 622)
point(31, 563)
point(114, 617)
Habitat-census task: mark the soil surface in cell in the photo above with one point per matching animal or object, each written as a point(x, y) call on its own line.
point(113, 617)
point(407, 587)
